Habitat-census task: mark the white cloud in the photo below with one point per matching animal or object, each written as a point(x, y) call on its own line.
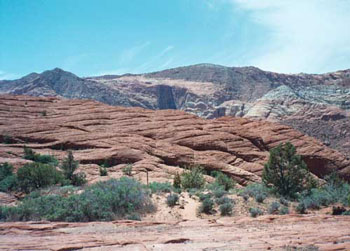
point(303, 35)
point(129, 54)
point(7, 76)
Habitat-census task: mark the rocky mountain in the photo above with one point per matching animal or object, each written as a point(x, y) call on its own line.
point(160, 142)
point(318, 105)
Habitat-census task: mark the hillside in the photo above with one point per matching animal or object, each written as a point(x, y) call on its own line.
point(317, 105)
point(160, 142)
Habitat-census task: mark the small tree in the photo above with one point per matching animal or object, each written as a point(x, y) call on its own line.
point(285, 171)
point(69, 166)
point(177, 181)
point(193, 178)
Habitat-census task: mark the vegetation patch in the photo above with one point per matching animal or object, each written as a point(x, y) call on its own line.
point(158, 187)
point(172, 199)
point(104, 201)
point(193, 178)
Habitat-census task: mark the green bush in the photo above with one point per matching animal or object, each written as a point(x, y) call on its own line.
point(254, 212)
point(224, 200)
point(203, 196)
point(193, 178)
point(29, 154)
point(256, 190)
point(334, 191)
point(37, 175)
point(177, 181)
point(274, 208)
point(206, 206)
point(127, 170)
point(109, 200)
point(284, 210)
point(8, 181)
point(225, 181)
point(158, 187)
point(301, 208)
point(226, 209)
point(284, 201)
point(172, 199)
point(134, 216)
point(69, 166)
point(9, 184)
point(285, 171)
point(218, 193)
point(103, 171)
point(6, 169)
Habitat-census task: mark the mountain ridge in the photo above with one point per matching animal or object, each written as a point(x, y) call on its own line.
point(315, 104)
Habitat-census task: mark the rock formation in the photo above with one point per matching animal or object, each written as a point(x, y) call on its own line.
point(158, 142)
point(310, 103)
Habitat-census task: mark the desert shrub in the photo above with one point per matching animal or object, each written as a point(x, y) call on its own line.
point(6, 169)
point(206, 206)
point(177, 181)
point(127, 170)
point(194, 192)
point(218, 193)
point(254, 212)
point(301, 208)
point(78, 179)
point(284, 210)
point(134, 216)
point(29, 154)
point(9, 184)
point(172, 199)
point(103, 171)
point(334, 191)
point(347, 212)
point(193, 178)
point(225, 181)
point(107, 200)
point(226, 209)
point(285, 171)
point(8, 180)
point(256, 190)
point(284, 201)
point(203, 196)
point(274, 208)
point(7, 139)
point(69, 166)
point(37, 175)
point(224, 200)
point(158, 187)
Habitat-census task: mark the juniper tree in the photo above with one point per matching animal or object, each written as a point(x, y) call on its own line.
point(285, 171)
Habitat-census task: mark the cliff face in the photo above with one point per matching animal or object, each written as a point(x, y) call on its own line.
point(310, 103)
point(158, 141)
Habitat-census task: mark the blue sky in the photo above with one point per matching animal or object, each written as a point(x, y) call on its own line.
point(95, 37)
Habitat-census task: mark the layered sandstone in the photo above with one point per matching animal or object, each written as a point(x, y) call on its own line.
point(159, 143)
point(311, 103)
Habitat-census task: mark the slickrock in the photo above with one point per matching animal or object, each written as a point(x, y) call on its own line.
point(237, 233)
point(157, 142)
point(311, 103)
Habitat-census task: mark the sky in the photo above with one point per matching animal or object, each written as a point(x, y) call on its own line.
point(97, 37)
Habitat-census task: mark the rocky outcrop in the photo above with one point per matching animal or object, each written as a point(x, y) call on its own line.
point(273, 232)
point(158, 142)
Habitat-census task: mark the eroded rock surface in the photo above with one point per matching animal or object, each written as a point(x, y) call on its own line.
point(308, 102)
point(238, 233)
point(157, 142)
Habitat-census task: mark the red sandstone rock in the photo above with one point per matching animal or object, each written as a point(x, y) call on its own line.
point(154, 141)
